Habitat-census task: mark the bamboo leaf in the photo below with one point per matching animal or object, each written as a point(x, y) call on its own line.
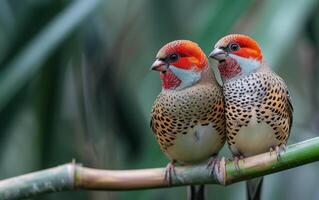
point(26, 64)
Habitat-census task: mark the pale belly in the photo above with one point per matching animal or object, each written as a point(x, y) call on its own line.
point(199, 144)
point(254, 139)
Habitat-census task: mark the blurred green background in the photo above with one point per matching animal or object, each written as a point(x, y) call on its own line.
point(75, 82)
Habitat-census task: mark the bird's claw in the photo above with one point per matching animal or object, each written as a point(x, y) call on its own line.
point(279, 150)
point(213, 164)
point(236, 162)
point(169, 171)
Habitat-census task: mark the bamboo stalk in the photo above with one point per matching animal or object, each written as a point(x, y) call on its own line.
point(95, 179)
point(56, 179)
point(73, 176)
point(295, 155)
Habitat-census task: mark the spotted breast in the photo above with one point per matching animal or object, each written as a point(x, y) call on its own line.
point(258, 113)
point(189, 124)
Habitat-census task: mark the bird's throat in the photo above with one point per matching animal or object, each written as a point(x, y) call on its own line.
point(169, 80)
point(229, 68)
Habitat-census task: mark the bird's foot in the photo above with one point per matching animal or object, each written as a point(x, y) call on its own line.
point(279, 150)
point(213, 164)
point(236, 160)
point(169, 171)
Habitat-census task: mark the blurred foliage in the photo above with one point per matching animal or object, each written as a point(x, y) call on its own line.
point(75, 82)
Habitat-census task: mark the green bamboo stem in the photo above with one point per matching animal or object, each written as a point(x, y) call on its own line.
point(73, 176)
point(56, 179)
point(295, 155)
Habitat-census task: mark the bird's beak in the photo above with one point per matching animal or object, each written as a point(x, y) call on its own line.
point(159, 65)
point(218, 54)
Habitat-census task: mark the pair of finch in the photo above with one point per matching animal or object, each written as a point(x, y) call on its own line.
point(193, 116)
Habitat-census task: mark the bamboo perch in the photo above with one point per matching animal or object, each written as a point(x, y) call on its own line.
point(73, 176)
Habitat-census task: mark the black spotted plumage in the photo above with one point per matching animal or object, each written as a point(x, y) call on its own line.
point(176, 113)
point(264, 94)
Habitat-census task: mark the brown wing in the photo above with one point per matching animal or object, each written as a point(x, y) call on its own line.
point(278, 108)
point(162, 123)
point(290, 108)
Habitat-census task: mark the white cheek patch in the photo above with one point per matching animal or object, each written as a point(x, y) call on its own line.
point(247, 65)
point(187, 77)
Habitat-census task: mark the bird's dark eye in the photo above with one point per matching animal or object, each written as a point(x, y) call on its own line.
point(173, 57)
point(234, 47)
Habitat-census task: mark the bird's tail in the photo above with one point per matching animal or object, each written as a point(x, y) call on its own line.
point(196, 192)
point(254, 188)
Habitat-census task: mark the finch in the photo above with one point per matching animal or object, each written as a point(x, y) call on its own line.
point(188, 115)
point(258, 106)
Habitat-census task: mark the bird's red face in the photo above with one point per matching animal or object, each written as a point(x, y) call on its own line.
point(180, 64)
point(236, 55)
